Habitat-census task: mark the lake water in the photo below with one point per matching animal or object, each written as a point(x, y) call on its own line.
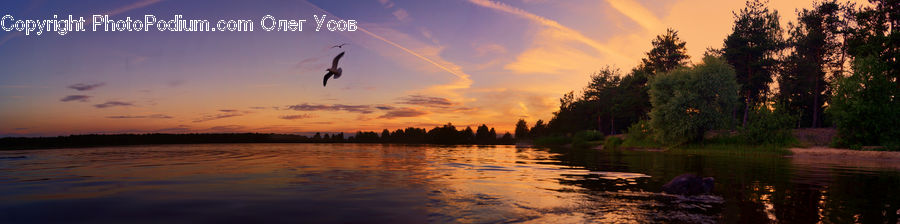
point(372, 183)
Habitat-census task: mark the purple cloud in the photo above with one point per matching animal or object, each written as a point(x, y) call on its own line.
point(113, 104)
point(296, 117)
point(79, 98)
point(384, 107)
point(224, 114)
point(403, 112)
point(155, 116)
point(363, 109)
point(428, 101)
point(86, 87)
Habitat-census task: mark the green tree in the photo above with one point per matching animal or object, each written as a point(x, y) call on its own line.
point(815, 50)
point(612, 101)
point(752, 48)
point(467, 136)
point(668, 53)
point(876, 33)
point(446, 134)
point(689, 101)
point(574, 114)
point(635, 101)
point(522, 130)
point(386, 135)
point(865, 106)
point(507, 139)
point(603, 90)
point(539, 130)
point(484, 135)
point(317, 136)
point(769, 126)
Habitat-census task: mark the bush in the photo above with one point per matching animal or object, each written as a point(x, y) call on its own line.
point(612, 143)
point(768, 127)
point(689, 101)
point(583, 139)
point(865, 107)
point(588, 135)
point(552, 141)
point(640, 135)
point(639, 131)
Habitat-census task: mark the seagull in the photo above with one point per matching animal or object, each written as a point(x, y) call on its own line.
point(339, 45)
point(334, 70)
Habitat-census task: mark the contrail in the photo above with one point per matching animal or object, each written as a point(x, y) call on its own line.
point(458, 74)
point(574, 34)
point(635, 11)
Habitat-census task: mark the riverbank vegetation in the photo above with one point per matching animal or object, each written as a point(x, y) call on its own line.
point(835, 67)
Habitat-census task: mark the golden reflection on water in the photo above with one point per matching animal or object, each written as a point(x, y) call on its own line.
point(504, 178)
point(341, 183)
point(449, 184)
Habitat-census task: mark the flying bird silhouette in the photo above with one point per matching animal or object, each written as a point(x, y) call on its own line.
point(339, 45)
point(334, 70)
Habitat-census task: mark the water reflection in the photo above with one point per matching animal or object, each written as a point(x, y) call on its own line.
point(335, 183)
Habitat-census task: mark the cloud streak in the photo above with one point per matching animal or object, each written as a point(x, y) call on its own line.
point(638, 13)
point(296, 116)
point(109, 104)
point(384, 107)
point(86, 87)
point(224, 113)
point(563, 30)
point(463, 82)
point(428, 101)
point(154, 116)
point(403, 112)
point(79, 98)
point(363, 109)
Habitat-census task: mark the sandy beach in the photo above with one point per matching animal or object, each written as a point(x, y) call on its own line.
point(846, 157)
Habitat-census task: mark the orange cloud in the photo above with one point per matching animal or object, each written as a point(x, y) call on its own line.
point(635, 11)
point(404, 112)
point(563, 31)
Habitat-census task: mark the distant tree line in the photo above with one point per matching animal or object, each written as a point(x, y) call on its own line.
point(92, 140)
point(446, 134)
point(838, 66)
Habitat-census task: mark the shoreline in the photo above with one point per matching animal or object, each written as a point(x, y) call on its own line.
point(819, 151)
point(819, 156)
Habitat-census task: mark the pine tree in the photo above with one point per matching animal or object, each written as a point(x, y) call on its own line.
point(668, 53)
point(815, 51)
point(751, 49)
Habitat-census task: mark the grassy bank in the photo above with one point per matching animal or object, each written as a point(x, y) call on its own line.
point(582, 139)
point(717, 145)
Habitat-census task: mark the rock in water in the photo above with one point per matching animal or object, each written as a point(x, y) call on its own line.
point(689, 184)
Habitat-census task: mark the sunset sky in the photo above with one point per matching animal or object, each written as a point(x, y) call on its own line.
point(411, 63)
